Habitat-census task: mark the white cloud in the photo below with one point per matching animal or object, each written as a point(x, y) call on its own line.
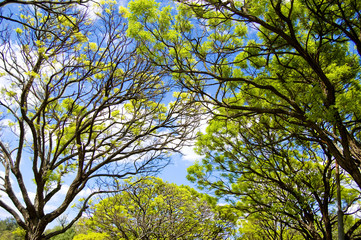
point(11, 130)
point(2, 174)
point(49, 207)
point(4, 82)
point(92, 9)
point(64, 189)
point(188, 153)
point(30, 194)
point(4, 214)
point(85, 192)
point(6, 200)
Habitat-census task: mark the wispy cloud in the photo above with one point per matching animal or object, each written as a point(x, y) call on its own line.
point(188, 152)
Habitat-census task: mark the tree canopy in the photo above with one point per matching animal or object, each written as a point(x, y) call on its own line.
point(279, 186)
point(7, 228)
point(281, 80)
point(149, 208)
point(79, 108)
point(296, 62)
point(86, 100)
point(9, 10)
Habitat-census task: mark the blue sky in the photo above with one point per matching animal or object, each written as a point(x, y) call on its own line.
point(176, 172)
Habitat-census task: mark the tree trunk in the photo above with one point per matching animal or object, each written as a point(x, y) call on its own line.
point(35, 236)
point(341, 233)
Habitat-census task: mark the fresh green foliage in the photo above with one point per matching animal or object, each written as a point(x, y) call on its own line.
point(149, 208)
point(254, 229)
point(298, 62)
point(67, 235)
point(79, 108)
point(282, 82)
point(7, 228)
point(91, 236)
point(84, 100)
point(276, 187)
point(8, 224)
point(50, 7)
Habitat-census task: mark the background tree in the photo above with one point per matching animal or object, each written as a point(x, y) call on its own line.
point(91, 236)
point(7, 227)
point(79, 108)
point(297, 62)
point(40, 4)
point(281, 187)
point(67, 235)
point(149, 208)
point(253, 229)
point(54, 7)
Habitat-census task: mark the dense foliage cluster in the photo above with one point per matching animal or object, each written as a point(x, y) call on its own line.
point(79, 108)
point(149, 208)
point(8, 229)
point(95, 93)
point(281, 81)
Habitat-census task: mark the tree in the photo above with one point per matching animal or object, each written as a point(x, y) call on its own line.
point(281, 187)
point(7, 227)
point(9, 18)
point(40, 4)
point(296, 62)
point(8, 224)
point(79, 110)
point(91, 236)
point(67, 235)
point(149, 208)
point(253, 229)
